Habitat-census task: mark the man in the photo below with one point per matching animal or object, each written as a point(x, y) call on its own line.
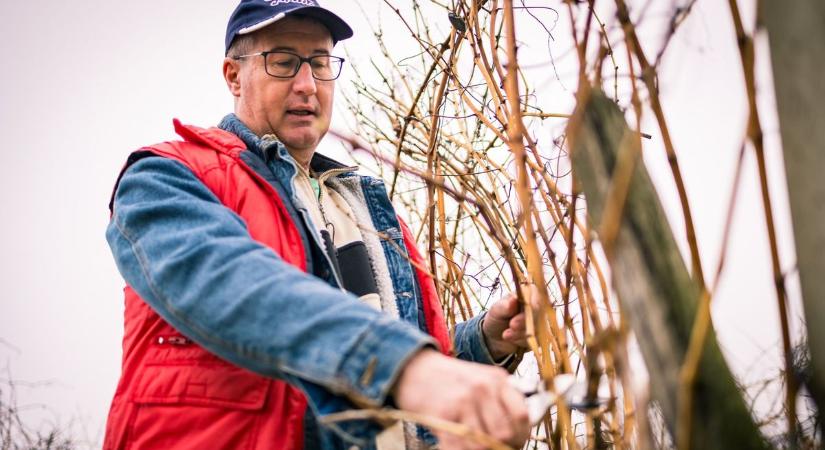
point(269, 285)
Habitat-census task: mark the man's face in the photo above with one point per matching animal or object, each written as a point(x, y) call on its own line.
point(297, 110)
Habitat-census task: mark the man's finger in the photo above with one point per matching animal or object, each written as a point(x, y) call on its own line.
point(505, 308)
point(515, 337)
point(496, 418)
point(449, 441)
point(471, 417)
point(518, 322)
point(514, 403)
point(519, 341)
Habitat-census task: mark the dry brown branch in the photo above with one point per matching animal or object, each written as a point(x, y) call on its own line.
point(649, 76)
point(747, 56)
point(463, 138)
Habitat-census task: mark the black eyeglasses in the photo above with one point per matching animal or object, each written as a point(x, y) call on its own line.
point(281, 64)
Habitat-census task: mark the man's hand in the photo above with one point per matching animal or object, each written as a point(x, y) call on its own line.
point(504, 327)
point(472, 394)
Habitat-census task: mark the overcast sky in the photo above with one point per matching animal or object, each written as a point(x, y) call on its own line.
point(87, 82)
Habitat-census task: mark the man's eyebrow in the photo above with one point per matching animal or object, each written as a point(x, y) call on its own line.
point(317, 51)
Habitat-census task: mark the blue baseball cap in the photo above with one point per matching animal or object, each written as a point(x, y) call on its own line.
point(252, 15)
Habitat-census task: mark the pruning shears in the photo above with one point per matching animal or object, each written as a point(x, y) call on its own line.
point(565, 386)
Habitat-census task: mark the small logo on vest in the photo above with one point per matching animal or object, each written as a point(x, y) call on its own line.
point(300, 2)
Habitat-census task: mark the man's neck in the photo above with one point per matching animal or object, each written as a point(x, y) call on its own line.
point(302, 157)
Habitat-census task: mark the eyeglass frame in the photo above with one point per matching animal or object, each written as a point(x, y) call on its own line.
point(301, 62)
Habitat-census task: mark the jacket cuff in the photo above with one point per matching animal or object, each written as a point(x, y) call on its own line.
point(469, 341)
point(374, 365)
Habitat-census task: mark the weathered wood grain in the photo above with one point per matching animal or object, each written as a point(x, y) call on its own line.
point(796, 31)
point(655, 290)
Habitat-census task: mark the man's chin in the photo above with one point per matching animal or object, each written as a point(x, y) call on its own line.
point(301, 144)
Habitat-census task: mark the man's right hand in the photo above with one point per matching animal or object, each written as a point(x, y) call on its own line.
point(475, 395)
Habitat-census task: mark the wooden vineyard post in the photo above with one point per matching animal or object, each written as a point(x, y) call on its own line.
point(796, 32)
point(656, 292)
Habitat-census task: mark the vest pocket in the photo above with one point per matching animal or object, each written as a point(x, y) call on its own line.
point(219, 385)
point(191, 406)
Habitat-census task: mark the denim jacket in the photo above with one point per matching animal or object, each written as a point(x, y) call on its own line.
point(166, 219)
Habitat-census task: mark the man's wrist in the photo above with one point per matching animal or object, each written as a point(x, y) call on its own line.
point(409, 372)
point(379, 359)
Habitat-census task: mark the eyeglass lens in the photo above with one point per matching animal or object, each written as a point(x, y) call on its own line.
point(287, 65)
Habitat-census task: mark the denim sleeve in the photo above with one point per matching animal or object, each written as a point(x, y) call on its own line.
point(193, 261)
point(469, 341)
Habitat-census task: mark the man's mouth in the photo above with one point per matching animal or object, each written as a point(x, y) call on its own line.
point(300, 112)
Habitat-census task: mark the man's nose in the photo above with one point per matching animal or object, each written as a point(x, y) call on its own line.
point(304, 82)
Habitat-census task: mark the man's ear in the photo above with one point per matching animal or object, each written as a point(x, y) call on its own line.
point(232, 75)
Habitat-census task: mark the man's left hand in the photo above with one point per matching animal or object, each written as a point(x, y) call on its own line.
point(504, 328)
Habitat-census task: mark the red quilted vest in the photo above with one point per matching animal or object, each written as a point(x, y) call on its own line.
point(175, 395)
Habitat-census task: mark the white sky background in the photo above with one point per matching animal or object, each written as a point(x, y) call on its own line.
point(87, 82)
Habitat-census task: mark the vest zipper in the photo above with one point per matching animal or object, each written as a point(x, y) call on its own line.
point(173, 340)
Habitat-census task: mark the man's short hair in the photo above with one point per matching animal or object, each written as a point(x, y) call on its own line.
point(242, 45)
